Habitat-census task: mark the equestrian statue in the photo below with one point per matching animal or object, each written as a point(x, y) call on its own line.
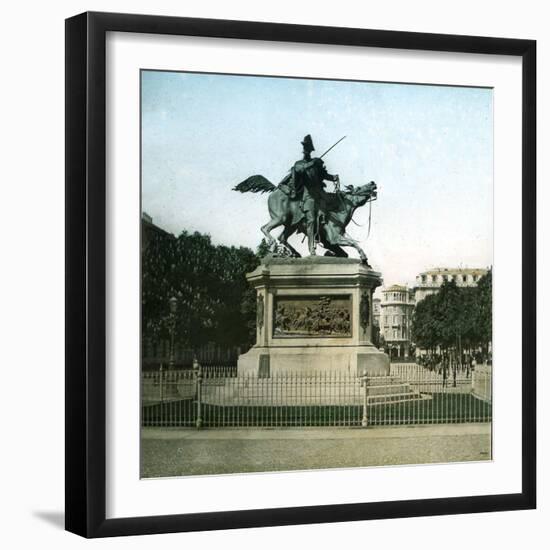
point(301, 204)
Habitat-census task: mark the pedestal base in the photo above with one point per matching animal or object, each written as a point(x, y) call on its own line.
point(314, 315)
point(359, 360)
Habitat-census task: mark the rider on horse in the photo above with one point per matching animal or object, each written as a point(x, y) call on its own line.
point(300, 204)
point(307, 179)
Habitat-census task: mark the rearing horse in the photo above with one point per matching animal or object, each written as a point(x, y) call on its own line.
point(338, 212)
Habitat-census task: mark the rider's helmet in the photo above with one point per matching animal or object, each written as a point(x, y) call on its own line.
point(307, 144)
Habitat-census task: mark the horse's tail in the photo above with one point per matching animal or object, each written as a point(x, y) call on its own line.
point(255, 184)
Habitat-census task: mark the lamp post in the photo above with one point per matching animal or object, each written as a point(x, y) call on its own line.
point(173, 309)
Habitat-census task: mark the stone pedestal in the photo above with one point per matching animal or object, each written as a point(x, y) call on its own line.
point(313, 315)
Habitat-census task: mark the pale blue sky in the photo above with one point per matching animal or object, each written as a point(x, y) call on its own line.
point(429, 148)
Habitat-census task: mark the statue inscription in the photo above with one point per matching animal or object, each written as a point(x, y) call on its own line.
point(310, 316)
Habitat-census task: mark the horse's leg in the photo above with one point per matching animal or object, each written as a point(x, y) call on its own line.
point(278, 207)
point(335, 250)
point(330, 240)
point(344, 240)
point(268, 227)
point(283, 239)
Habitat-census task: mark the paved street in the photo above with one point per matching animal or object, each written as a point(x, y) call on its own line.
point(175, 452)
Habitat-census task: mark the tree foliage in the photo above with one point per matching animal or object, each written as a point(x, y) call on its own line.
point(455, 317)
point(214, 301)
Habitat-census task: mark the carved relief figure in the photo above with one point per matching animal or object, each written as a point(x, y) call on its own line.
point(315, 316)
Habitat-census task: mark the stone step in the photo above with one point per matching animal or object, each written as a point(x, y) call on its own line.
point(393, 398)
point(393, 388)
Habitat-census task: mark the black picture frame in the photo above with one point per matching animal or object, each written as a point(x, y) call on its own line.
point(86, 274)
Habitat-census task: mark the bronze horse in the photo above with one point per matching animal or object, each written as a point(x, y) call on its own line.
point(338, 212)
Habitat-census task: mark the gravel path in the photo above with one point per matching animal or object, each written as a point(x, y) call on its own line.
point(177, 452)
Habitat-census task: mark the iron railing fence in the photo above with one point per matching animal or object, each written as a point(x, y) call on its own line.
point(156, 353)
point(482, 386)
point(220, 397)
point(453, 379)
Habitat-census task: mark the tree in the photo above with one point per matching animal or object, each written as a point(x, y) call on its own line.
point(263, 249)
point(425, 326)
point(454, 321)
point(485, 308)
point(215, 302)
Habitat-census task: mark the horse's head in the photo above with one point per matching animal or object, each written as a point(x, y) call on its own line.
point(362, 193)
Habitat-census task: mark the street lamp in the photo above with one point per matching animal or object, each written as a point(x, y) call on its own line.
point(172, 324)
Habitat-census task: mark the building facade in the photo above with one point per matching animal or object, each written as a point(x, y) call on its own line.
point(396, 309)
point(430, 281)
point(376, 322)
point(376, 311)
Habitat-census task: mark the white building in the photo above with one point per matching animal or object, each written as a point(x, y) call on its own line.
point(376, 311)
point(430, 281)
point(396, 310)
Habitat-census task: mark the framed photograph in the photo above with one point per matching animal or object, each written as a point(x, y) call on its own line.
point(300, 280)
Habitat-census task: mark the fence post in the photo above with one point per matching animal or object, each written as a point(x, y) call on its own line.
point(365, 419)
point(197, 369)
point(160, 384)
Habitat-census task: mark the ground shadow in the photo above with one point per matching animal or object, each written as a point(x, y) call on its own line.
point(57, 519)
